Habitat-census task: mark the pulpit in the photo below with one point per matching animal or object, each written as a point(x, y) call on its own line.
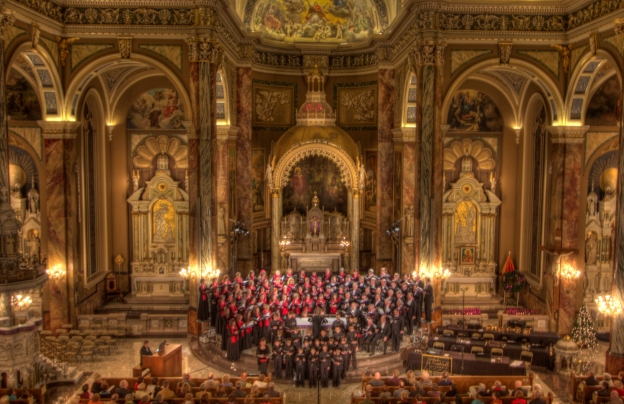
point(167, 363)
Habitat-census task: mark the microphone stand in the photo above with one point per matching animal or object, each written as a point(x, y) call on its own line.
point(463, 308)
point(462, 365)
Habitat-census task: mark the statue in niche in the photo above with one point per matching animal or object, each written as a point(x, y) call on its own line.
point(221, 221)
point(362, 176)
point(465, 223)
point(269, 176)
point(493, 182)
point(35, 245)
point(409, 222)
point(136, 176)
point(591, 248)
point(33, 198)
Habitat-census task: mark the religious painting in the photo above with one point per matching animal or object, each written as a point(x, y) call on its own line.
point(370, 186)
point(333, 21)
point(474, 111)
point(273, 105)
point(232, 182)
point(467, 256)
point(258, 195)
point(315, 175)
point(163, 225)
point(465, 223)
point(357, 106)
point(21, 100)
point(605, 107)
point(398, 182)
point(159, 108)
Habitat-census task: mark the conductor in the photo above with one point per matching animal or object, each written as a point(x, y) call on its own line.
point(145, 351)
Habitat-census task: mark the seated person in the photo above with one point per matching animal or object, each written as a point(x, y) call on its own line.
point(519, 398)
point(619, 387)
point(397, 393)
point(418, 391)
point(591, 379)
point(394, 380)
point(434, 392)
point(376, 381)
point(605, 391)
point(445, 381)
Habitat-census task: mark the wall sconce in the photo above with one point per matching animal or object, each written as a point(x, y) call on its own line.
point(56, 273)
point(608, 306)
point(443, 274)
point(186, 273)
point(345, 243)
point(21, 302)
point(284, 243)
point(109, 130)
point(568, 273)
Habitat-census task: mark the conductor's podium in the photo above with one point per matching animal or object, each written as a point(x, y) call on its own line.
point(165, 363)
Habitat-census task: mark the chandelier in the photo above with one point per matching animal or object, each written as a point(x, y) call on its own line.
point(186, 272)
point(569, 273)
point(608, 306)
point(56, 273)
point(345, 243)
point(21, 302)
point(443, 274)
point(211, 273)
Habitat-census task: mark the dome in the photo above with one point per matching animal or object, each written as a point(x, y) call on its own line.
point(321, 134)
point(17, 176)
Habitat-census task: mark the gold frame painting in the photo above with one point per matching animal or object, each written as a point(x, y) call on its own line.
point(273, 105)
point(356, 106)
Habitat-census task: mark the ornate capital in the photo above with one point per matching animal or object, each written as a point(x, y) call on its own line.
point(619, 26)
point(125, 47)
point(428, 53)
point(205, 16)
point(504, 52)
point(6, 20)
point(59, 129)
point(203, 50)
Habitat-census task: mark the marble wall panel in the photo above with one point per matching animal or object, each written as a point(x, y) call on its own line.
point(222, 195)
point(243, 165)
point(193, 166)
point(409, 182)
point(385, 160)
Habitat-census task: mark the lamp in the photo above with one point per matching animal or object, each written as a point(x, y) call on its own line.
point(56, 272)
point(568, 272)
point(608, 306)
point(345, 243)
point(443, 274)
point(211, 273)
point(186, 273)
point(284, 243)
point(21, 302)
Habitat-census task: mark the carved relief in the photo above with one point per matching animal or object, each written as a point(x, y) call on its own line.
point(125, 46)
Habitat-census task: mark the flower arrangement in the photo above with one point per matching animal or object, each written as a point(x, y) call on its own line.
point(520, 311)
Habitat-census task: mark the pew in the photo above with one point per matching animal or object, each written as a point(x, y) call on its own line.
point(36, 393)
point(579, 391)
point(432, 400)
point(274, 400)
point(465, 382)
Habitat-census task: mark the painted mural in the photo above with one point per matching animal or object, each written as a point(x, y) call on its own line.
point(21, 100)
point(273, 105)
point(474, 111)
point(258, 196)
point(605, 107)
point(357, 106)
point(315, 174)
point(370, 186)
point(316, 20)
point(159, 108)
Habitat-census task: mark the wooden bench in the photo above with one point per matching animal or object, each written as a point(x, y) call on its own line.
point(465, 382)
point(432, 400)
point(274, 400)
point(36, 393)
point(579, 391)
point(173, 381)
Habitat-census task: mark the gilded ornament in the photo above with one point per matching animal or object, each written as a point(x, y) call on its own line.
point(504, 50)
point(564, 52)
point(6, 20)
point(36, 33)
point(63, 45)
point(125, 46)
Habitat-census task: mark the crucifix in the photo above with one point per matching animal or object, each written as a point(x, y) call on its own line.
point(558, 253)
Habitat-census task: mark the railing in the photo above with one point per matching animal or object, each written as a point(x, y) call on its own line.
point(58, 353)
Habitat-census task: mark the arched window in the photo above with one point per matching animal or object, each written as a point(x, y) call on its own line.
point(222, 100)
point(409, 118)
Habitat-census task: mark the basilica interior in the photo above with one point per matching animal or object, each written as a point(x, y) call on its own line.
point(146, 145)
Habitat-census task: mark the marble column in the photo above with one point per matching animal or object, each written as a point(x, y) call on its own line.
point(385, 165)
point(204, 57)
point(60, 155)
point(404, 138)
point(614, 360)
point(243, 165)
point(567, 170)
point(226, 136)
point(354, 249)
point(276, 231)
point(427, 59)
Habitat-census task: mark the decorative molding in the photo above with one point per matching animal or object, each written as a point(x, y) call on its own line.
point(294, 109)
point(504, 52)
point(11, 33)
point(172, 53)
point(125, 47)
point(7, 19)
point(36, 34)
point(594, 140)
point(564, 54)
point(81, 52)
point(32, 135)
point(204, 50)
point(404, 135)
point(547, 58)
point(351, 61)
point(276, 59)
point(505, 22)
point(59, 129)
point(428, 53)
point(227, 132)
point(567, 134)
point(460, 57)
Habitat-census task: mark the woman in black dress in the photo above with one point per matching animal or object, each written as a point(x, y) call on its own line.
point(262, 353)
point(203, 308)
point(225, 320)
point(233, 348)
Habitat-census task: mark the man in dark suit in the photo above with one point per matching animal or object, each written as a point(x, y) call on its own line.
point(383, 333)
point(418, 298)
point(428, 300)
point(537, 399)
point(145, 351)
point(591, 379)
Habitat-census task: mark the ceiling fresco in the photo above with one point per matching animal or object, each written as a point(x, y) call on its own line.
point(326, 21)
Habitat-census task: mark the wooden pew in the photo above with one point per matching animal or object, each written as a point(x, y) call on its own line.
point(432, 400)
point(465, 382)
point(274, 400)
point(579, 391)
point(173, 381)
point(36, 393)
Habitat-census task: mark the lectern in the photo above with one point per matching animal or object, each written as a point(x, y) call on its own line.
point(165, 363)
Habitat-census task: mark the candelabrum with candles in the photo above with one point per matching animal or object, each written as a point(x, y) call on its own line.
point(608, 306)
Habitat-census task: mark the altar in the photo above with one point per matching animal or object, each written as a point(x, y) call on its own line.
point(310, 262)
point(146, 286)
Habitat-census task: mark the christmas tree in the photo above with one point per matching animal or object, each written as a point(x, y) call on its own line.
point(584, 334)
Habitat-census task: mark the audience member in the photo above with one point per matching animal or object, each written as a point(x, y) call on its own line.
point(385, 392)
point(410, 378)
point(394, 380)
point(139, 380)
point(123, 390)
point(367, 399)
point(405, 398)
point(419, 399)
point(519, 397)
point(445, 381)
point(104, 393)
point(225, 381)
point(154, 388)
point(188, 399)
point(434, 392)
point(591, 379)
point(243, 379)
point(271, 390)
point(537, 398)
point(453, 391)
point(249, 399)
point(260, 382)
point(425, 382)
point(606, 377)
point(255, 392)
point(96, 386)
point(220, 393)
point(231, 399)
point(187, 378)
point(211, 383)
point(517, 388)
point(238, 392)
point(95, 399)
point(476, 398)
point(619, 387)
point(369, 389)
point(85, 395)
point(140, 391)
point(266, 399)
point(615, 398)
point(203, 390)
point(605, 391)
point(418, 390)
point(159, 399)
point(114, 398)
point(130, 398)
point(496, 398)
point(166, 392)
point(400, 389)
point(145, 399)
point(205, 399)
point(441, 399)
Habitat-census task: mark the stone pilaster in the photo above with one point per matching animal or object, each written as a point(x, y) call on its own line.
point(226, 138)
point(385, 164)
point(243, 165)
point(614, 360)
point(404, 140)
point(566, 160)
point(60, 157)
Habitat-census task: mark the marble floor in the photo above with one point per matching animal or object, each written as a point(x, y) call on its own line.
point(121, 362)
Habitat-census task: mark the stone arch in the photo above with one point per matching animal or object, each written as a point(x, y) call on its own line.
point(583, 83)
point(301, 150)
point(550, 89)
point(46, 80)
point(98, 66)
